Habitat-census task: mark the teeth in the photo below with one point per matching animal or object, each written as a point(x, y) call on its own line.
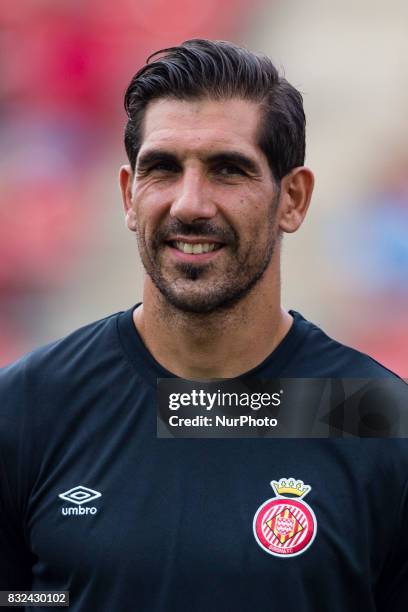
point(185, 247)
point(196, 249)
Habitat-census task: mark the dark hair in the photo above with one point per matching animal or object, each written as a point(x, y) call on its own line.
point(221, 70)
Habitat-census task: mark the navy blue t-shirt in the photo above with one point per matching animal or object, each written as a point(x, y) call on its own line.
point(91, 501)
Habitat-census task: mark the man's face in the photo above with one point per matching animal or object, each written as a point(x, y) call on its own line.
point(203, 202)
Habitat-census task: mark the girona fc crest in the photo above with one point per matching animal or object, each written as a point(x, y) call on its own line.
point(285, 526)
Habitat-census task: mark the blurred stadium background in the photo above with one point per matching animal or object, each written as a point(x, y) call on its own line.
point(65, 256)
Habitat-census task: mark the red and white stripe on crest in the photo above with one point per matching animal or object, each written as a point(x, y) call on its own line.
point(269, 530)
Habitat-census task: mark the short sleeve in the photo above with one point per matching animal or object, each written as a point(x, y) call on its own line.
point(15, 564)
point(393, 585)
point(15, 557)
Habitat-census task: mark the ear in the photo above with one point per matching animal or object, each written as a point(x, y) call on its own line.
point(125, 183)
point(296, 192)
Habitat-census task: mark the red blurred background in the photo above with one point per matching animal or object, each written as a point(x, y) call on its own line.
point(65, 66)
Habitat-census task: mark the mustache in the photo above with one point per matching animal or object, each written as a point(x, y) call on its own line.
point(198, 228)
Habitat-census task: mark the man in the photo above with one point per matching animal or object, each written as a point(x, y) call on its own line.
point(91, 500)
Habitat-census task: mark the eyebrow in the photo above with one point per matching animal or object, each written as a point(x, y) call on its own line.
point(151, 157)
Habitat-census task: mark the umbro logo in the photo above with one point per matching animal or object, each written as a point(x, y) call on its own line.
point(79, 495)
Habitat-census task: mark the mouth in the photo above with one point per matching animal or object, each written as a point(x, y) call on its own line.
point(195, 249)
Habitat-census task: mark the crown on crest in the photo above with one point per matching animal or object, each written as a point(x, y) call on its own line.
point(290, 486)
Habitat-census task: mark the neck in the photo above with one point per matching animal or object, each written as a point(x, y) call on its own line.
point(223, 344)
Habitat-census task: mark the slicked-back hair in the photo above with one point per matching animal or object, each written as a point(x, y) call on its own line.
point(221, 70)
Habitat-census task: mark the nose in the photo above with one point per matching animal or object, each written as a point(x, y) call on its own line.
point(192, 199)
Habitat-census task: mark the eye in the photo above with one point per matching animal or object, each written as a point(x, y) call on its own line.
point(164, 166)
point(159, 167)
point(229, 170)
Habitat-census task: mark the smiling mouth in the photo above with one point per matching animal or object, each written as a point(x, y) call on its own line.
point(195, 248)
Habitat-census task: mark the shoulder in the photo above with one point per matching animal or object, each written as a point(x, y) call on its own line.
point(322, 356)
point(50, 391)
point(59, 360)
